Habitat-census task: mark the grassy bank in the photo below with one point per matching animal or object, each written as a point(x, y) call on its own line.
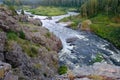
point(75, 20)
point(50, 10)
point(106, 27)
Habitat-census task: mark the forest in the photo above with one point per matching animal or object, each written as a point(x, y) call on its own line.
point(63, 3)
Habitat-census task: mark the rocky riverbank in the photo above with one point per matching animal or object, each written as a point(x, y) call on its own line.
point(28, 51)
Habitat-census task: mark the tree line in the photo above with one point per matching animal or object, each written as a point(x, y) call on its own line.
point(93, 7)
point(63, 3)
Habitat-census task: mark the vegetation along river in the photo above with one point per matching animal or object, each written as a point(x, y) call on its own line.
point(79, 47)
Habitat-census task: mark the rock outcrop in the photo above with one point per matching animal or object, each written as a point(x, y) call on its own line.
point(33, 57)
point(8, 21)
point(97, 71)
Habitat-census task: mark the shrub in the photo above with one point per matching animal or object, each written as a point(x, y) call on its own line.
point(22, 12)
point(22, 34)
point(62, 69)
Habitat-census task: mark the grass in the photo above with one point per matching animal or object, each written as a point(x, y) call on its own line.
point(50, 10)
point(106, 28)
point(28, 47)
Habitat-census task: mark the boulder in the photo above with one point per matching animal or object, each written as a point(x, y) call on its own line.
point(85, 25)
point(100, 69)
point(8, 22)
point(70, 40)
point(10, 76)
point(15, 56)
point(36, 21)
point(4, 69)
point(23, 18)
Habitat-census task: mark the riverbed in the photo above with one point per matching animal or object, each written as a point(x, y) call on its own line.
point(79, 47)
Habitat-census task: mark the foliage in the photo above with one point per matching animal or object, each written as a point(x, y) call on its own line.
point(106, 28)
point(28, 47)
point(92, 7)
point(22, 12)
point(21, 34)
point(64, 3)
point(62, 69)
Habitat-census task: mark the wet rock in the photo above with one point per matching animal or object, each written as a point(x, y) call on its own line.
point(49, 18)
point(116, 59)
point(70, 40)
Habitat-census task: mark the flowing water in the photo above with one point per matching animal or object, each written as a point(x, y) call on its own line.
point(83, 46)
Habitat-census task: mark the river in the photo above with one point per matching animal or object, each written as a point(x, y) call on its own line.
point(84, 47)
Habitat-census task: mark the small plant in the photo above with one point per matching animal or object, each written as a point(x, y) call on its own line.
point(98, 58)
point(62, 69)
point(22, 12)
point(22, 35)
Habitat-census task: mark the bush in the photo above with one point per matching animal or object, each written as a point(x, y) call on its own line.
point(22, 35)
point(62, 69)
point(22, 12)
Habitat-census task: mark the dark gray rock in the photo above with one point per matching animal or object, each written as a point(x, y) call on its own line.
point(7, 21)
point(70, 40)
point(1, 57)
point(2, 44)
point(2, 41)
point(4, 68)
point(36, 21)
point(10, 76)
point(23, 18)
